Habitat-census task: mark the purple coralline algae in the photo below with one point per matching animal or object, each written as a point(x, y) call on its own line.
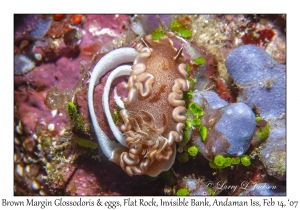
point(230, 126)
point(43, 129)
point(262, 85)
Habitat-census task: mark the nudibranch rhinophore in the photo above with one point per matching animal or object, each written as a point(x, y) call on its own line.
point(153, 112)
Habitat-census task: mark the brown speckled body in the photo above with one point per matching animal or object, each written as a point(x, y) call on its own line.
point(162, 66)
point(154, 110)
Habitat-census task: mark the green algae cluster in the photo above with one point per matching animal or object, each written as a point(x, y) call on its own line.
point(87, 143)
point(185, 135)
point(175, 27)
point(245, 160)
point(78, 122)
point(264, 128)
point(180, 30)
point(203, 132)
point(194, 120)
point(200, 61)
point(191, 81)
point(182, 192)
point(157, 33)
point(263, 132)
point(189, 150)
point(211, 191)
point(187, 95)
point(236, 160)
point(183, 157)
point(188, 68)
point(196, 109)
point(222, 162)
point(219, 160)
point(193, 115)
point(193, 150)
point(116, 116)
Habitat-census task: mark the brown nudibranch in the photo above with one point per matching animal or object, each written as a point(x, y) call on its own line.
point(153, 112)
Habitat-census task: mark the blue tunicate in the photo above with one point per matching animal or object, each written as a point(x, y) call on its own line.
point(213, 100)
point(262, 84)
point(40, 28)
point(237, 124)
point(230, 126)
point(261, 80)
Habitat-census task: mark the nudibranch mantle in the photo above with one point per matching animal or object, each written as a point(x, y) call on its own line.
point(153, 113)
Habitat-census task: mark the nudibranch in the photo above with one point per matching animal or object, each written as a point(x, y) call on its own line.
point(153, 112)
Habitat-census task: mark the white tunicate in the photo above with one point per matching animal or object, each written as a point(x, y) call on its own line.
point(54, 112)
point(38, 56)
point(51, 127)
point(22, 64)
point(137, 28)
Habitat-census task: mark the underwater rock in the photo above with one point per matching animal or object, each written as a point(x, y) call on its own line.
point(83, 183)
point(51, 50)
point(262, 85)
point(273, 153)
point(102, 33)
point(229, 127)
